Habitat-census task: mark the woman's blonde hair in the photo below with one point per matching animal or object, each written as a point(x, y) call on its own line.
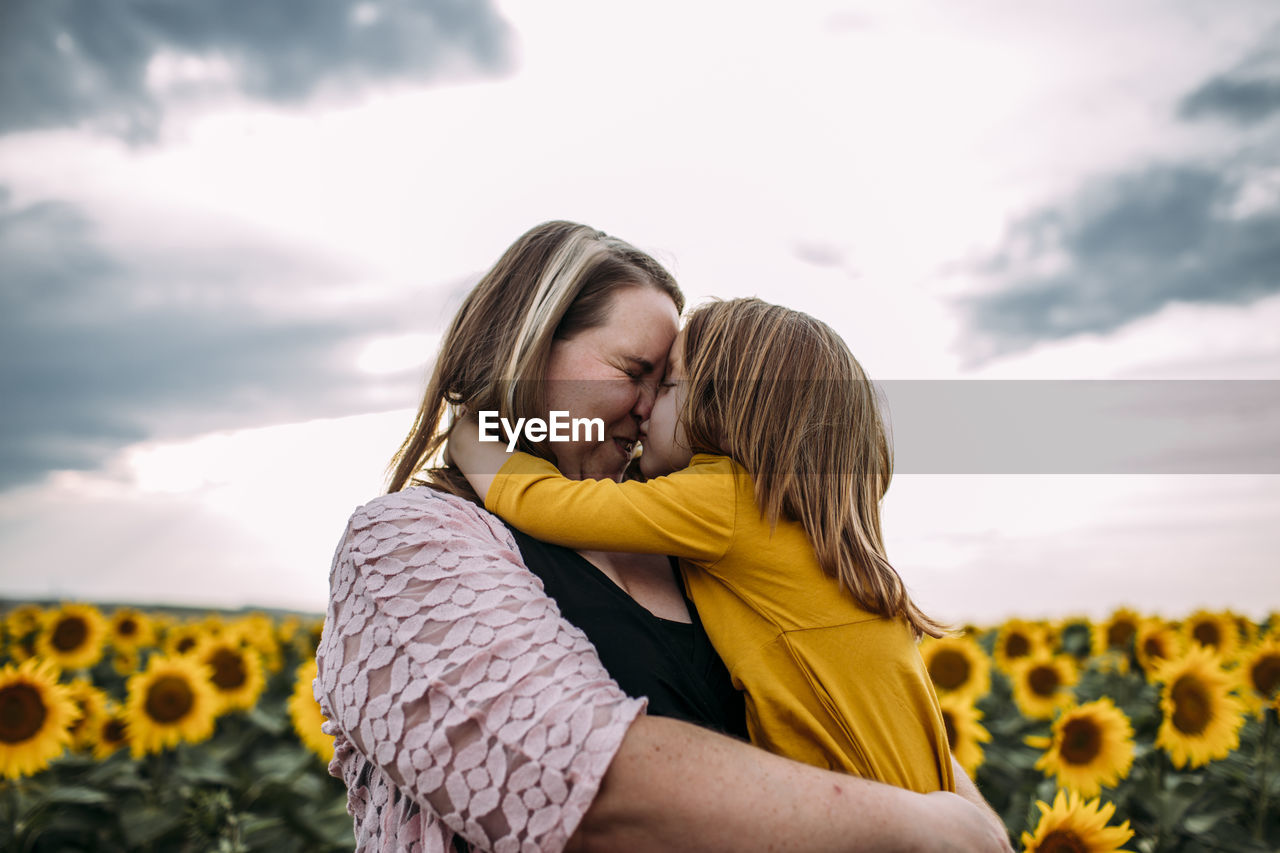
point(779, 392)
point(554, 282)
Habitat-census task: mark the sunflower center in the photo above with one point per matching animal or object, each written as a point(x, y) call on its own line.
point(949, 669)
point(1154, 648)
point(170, 699)
point(1119, 634)
point(69, 634)
point(1062, 841)
point(185, 645)
point(1043, 680)
point(22, 713)
point(228, 670)
point(1207, 634)
point(113, 731)
point(1017, 646)
point(1265, 675)
point(1081, 742)
point(126, 627)
point(950, 726)
point(1192, 708)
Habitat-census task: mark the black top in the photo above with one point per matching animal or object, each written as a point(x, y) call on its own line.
point(672, 663)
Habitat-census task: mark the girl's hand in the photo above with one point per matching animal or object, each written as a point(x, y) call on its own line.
point(478, 461)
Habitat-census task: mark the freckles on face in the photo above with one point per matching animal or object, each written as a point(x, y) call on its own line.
point(611, 372)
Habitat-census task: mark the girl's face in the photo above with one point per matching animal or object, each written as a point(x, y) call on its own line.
point(611, 372)
point(665, 447)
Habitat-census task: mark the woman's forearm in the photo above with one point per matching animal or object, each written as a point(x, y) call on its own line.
point(674, 786)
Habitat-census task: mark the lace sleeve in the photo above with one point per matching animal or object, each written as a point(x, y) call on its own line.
point(460, 700)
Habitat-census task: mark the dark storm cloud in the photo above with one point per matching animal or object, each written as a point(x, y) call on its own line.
point(66, 61)
point(97, 351)
point(1248, 94)
point(1122, 249)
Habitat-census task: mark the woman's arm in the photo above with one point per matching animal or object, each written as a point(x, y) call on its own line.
point(673, 786)
point(445, 666)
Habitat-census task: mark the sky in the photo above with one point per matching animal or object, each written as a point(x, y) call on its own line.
point(231, 235)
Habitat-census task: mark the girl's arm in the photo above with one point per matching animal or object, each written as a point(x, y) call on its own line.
point(688, 514)
point(478, 461)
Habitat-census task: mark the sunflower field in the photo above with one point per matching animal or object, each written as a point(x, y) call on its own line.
point(132, 729)
point(151, 730)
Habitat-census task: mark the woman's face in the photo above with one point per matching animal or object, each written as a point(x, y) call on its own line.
point(611, 372)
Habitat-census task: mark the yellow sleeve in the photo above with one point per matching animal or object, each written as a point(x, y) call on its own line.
point(687, 514)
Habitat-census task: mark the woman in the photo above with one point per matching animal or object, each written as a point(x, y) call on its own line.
point(466, 709)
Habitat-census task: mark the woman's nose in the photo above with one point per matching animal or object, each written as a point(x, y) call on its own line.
point(646, 394)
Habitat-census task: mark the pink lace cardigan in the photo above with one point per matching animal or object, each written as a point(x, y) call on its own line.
point(459, 699)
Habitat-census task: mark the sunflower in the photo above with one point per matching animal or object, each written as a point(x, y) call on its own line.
point(1202, 719)
point(1216, 631)
point(171, 701)
point(112, 732)
point(965, 734)
point(21, 625)
point(1017, 639)
point(1091, 747)
point(1042, 684)
point(72, 636)
point(257, 631)
point(23, 619)
point(957, 665)
point(131, 630)
point(1156, 643)
point(90, 705)
point(126, 663)
point(35, 712)
point(1117, 632)
point(236, 672)
point(305, 713)
point(315, 631)
point(1073, 825)
point(184, 638)
point(1260, 674)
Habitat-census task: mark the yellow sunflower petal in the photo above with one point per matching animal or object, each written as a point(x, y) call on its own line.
point(72, 636)
point(168, 703)
point(1042, 684)
point(305, 713)
point(957, 665)
point(1091, 747)
point(35, 714)
point(1075, 825)
point(1202, 718)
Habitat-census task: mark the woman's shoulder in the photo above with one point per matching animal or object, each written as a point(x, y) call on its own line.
point(422, 510)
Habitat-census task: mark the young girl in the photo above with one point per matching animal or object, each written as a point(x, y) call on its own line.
point(768, 460)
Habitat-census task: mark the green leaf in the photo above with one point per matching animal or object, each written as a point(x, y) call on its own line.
point(79, 795)
point(144, 824)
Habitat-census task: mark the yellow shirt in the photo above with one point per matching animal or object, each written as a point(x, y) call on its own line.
point(826, 682)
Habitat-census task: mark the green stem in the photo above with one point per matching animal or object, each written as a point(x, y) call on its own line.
point(1264, 749)
point(1162, 807)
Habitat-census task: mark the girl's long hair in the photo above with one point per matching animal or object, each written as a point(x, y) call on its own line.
point(779, 392)
point(555, 281)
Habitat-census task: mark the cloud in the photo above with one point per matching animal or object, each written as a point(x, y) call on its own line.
point(112, 63)
point(1248, 94)
point(1123, 248)
point(99, 350)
